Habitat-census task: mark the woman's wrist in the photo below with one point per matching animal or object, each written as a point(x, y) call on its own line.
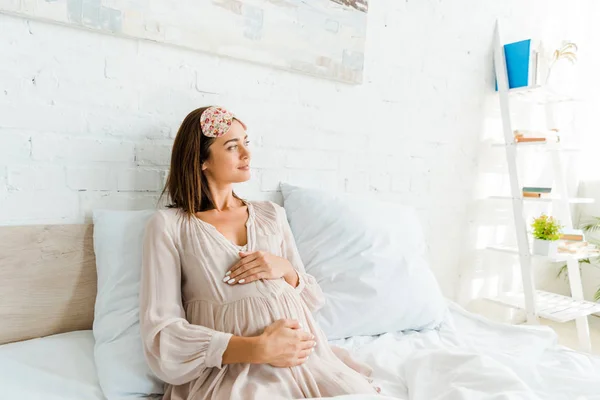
point(292, 277)
point(244, 350)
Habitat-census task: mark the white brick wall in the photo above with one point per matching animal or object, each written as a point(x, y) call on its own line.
point(35, 177)
point(73, 149)
point(87, 120)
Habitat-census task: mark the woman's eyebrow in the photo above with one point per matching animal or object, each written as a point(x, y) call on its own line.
point(234, 140)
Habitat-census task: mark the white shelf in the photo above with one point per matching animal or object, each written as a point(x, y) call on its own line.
point(538, 94)
point(555, 308)
point(547, 146)
point(552, 306)
point(560, 257)
point(572, 200)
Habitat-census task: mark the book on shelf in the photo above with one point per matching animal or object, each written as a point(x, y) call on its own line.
point(587, 250)
point(573, 238)
point(528, 136)
point(572, 235)
point(537, 192)
point(522, 64)
point(573, 244)
point(529, 140)
point(534, 195)
point(537, 189)
point(536, 133)
point(520, 139)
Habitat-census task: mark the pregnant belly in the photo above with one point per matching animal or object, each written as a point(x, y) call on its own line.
point(247, 316)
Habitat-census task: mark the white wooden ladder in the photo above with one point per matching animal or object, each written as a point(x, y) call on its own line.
point(538, 303)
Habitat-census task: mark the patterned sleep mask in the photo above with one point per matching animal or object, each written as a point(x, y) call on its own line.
point(216, 121)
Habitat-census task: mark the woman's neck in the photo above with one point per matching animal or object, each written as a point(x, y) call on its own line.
point(223, 198)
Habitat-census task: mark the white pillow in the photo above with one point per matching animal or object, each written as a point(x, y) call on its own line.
point(122, 369)
point(369, 259)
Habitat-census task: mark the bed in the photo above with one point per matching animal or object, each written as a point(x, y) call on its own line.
point(57, 367)
point(47, 291)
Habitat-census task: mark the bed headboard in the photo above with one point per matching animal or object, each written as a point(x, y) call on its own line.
point(47, 280)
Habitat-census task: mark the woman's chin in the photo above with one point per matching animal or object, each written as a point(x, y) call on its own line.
point(244, 176)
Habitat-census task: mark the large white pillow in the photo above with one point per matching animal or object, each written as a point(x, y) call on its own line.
point(369, 259)
point(122, 369)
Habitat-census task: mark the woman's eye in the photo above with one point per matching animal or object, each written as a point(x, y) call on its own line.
point(247, 142)
point(232, 147)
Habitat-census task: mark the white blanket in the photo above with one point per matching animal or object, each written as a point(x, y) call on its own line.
point(58, 367)
point(470, 358)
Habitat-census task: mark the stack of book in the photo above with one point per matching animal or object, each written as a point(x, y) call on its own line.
point(525, 136)
point(572, 241)
point(537, 192)
point(572, 247)
point(578, 248)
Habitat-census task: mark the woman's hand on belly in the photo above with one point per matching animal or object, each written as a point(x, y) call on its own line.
point(261, 265)
point(284, 344)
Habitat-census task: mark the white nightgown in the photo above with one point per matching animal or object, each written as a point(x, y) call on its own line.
point(188, 314)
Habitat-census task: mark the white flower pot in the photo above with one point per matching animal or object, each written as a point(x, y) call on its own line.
point(548, 248)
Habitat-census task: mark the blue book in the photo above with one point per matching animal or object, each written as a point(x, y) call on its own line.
point(518, 62)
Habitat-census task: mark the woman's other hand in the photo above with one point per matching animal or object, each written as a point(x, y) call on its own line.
point(285, 344)
point(261, 265)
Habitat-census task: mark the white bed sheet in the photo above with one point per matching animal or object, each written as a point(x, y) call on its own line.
point(57, 367)
point(468, 358)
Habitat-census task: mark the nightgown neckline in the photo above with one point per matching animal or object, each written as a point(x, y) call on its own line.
point(228, 243)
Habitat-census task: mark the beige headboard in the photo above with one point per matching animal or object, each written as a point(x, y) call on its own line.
point(47, 280)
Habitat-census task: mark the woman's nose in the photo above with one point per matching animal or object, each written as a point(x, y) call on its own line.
point(246, 153)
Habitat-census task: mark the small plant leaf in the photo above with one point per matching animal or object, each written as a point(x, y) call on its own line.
point(593, 226)
point(562, 272)
point(569, 46)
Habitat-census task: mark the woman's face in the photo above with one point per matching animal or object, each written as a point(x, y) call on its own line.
point(229, 159)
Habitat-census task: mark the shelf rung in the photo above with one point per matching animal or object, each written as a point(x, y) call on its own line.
point(549, 146)
point(572, 200)
point(560, 257)
point(538, 94)
point(551, 306)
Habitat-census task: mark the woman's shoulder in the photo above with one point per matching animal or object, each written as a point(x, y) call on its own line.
point(267, 214)
point(166, 218)
point(266, 208)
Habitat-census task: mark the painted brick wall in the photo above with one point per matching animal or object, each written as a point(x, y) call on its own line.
point(87, 120)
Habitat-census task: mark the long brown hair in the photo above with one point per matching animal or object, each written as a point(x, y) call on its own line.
point(186, 183)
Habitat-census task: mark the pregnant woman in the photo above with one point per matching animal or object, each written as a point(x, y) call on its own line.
point(226, 305)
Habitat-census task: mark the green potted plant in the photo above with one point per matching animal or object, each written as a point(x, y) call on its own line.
point(546, 232)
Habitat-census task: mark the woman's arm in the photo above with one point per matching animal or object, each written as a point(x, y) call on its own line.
point(282, 344)
point(176, 351)
point(243, 350)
